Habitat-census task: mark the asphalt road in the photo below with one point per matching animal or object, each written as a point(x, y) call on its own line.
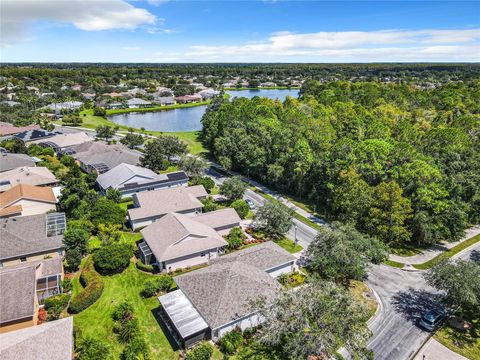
point(303, 233)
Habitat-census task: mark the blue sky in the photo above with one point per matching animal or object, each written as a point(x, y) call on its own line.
point(239, 31)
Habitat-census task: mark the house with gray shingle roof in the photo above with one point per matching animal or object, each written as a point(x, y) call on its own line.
point(137, 103)
point(216, 299)
point(131, 179)
point(9, 161)
point(50, 341)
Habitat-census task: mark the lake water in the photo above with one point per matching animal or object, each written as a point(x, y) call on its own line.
point(187, 119)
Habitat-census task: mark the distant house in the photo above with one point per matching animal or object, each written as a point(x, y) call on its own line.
point(50, 341)
point(165, 100)
point(115, 105)
point(188, 99)
point(10, 161)
point(136, 103)
point(31, 238)
point(67, 105)
point(11, 103)
point(38, 176)
point(211, 301)
point(152, 205)
point(62, 141)
point(35, 135)
point(7, 129)
point(131, 179)
point(23, 200)
point(179, 241)
point(23, 288)
point(208, 94)
point(98, 157)
point(88, 95)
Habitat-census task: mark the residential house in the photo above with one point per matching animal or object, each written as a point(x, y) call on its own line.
point(62, 141)
point(9, 161)
point(31, 238)
point(131, 179)
point(179, 241)
point(88, 95)
point(152, 205)
point(115, 105)
point(216, 299)
point(98, 157)
point(7, 129)
point(50, 341)
point(23, 200)
point(208, 94)
point(35, 134)
point(165, 100)
point(23, 288)
point(187, 99)
point(137, 103)
point(38, 176)
point(67, 105)
point(11, 103)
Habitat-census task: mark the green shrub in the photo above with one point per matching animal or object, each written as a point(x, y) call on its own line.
point(55, 305)
point(206, 181)
point(147, 268)
point(128, 330)
point(230, 342)
point(136, 349)
point(73, 258)
point(92, 349)
point(241, 207)
point(123, 312)
point(93, 283)
point(66, 285)
point(235, 238)
point(154, 286)
point(113, 258)
point(209, 205)
point(202, 351)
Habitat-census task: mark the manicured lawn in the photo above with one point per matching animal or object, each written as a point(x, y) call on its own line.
point(126, 237)
point(407, 251)
point(394, 264)
point(171, 168)
point(157, 108)
point(464, 343)
point(448, 254)
point(289, 245)
point(96, 321)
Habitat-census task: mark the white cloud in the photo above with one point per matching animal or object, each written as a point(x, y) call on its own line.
point(91, 15)
point(348, 46)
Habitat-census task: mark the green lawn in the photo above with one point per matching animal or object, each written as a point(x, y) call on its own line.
point(289, 245)
point(448, 254)
point(96, 321)
point(407, 251)
point(192, 138)
point(171, 168)
point(464, 343)
point(394, 264)
point(125, 205)
point(358, 289)
point(158, 108)
point(126, 237)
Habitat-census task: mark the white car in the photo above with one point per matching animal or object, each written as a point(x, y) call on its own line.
point(250, 204)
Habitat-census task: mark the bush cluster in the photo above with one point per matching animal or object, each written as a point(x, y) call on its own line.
point(55, 305)
point(230, 342)
point(111, 259)
point(241, 207)
point(93, 283)
point(160, 284)
point(235, 238)
point(202, 351)
point(144, 267)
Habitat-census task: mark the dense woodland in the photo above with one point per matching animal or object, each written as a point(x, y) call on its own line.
point(398, 162)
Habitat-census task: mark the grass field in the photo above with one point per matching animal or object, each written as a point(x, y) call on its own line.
point(394, 264)
point(96, 321)
point(448, 254)
point(464, 343)
point(358, 290)
point(289, 245)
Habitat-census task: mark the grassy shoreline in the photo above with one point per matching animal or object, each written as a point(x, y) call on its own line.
point(158, 108)
point(263, 88)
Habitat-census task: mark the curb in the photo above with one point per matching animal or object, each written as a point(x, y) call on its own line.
point(379, 306)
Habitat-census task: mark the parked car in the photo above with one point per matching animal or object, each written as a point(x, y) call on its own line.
point(432, 319)
point(250, 204)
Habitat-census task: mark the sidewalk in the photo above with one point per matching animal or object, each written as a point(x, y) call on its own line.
point(433, 350)
point(436, 250)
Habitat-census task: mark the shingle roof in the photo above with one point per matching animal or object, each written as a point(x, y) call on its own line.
point(111, 155)
point(26, 235)
point(12, 161)
point(223, 292)
point(138, 101)
point(35, 134)
point(9, 129)
point(264, 256)
point(25, 191)
point(164, 201)
point(67, 140)
point(26, 175)
point(219, 218)
point(50, 341)
point(122, 173)
point(17, 286)
point(177, 235)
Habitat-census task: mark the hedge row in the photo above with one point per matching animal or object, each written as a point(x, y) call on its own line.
point(143, 267)
point(93, 288)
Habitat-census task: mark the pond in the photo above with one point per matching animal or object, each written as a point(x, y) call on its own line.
point(187, 119)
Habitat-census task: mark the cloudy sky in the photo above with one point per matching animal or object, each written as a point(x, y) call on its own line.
point(239, 31)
